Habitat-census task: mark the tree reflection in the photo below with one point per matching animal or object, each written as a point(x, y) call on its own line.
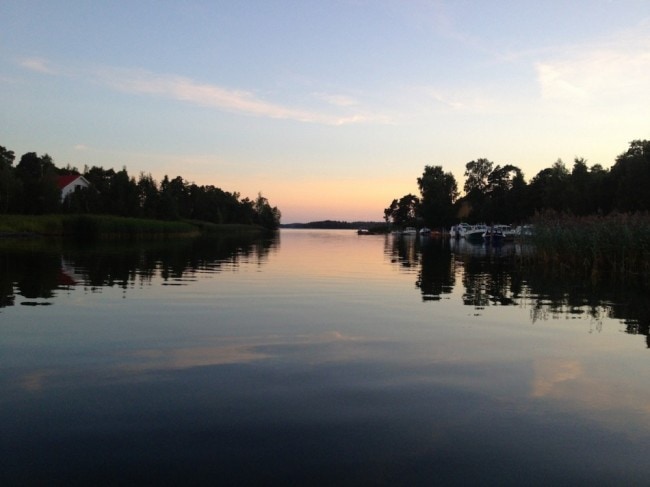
point(501, 276)
point(37, 269)
point(430, 258)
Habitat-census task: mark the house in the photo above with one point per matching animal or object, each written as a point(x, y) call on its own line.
point(70, 183)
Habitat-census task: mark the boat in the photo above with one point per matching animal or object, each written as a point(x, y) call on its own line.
point(458, 231)
point(474, 233)
point(409, 231)
point(425, 232)
point(499, 233)
point(493, 235)
point(363, 231)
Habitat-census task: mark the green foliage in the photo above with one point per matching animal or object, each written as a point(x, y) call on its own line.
point(31, 188)
point(438, 192)
point(495, 193)
point(612, 246)
point(404, 212)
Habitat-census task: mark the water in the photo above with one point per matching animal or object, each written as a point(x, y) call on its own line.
point(317, 358)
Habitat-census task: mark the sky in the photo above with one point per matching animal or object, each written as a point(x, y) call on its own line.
point(330, 109)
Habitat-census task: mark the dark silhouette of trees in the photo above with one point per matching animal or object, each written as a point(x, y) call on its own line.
point(438, 192)
point(495, 193)
point(40, 193)
point(10, 186)
point(31, 188)
point(403, 213)
point(477, 173)
point(630, 178)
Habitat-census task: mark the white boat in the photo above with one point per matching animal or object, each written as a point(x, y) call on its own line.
point(458, 231)
point(409, 231)
point(474, 233)
point(496, 233)
point(425, 232)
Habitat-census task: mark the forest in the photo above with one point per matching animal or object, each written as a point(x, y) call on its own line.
point(494, 193)
point(31, 187)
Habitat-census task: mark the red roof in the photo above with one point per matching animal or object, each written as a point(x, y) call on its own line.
point(63, 181)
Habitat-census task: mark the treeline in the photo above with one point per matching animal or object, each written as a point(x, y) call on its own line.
point(495, 193)
point(32, 187)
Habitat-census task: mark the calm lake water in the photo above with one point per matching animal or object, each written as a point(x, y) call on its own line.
point(316, 358)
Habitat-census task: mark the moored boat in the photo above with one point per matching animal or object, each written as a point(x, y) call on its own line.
point(499, 233)
point(458, 231)
point(474, 233)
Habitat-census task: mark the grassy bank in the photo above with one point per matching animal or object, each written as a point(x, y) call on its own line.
point(613, 246)
point(109, 227)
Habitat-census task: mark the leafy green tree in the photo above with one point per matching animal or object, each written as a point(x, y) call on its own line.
point(175, 198)
point(438, 192)
point(549, 188)
point(123, 194)
point(10, 186)
point(476, 183)
point(267, 216)
point(403, 213)
point(630, 178)
point(148, 196)
point(505, 193)
point(38, 176)
point(587, 193)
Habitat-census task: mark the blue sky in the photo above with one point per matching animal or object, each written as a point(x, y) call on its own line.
point(330, 109)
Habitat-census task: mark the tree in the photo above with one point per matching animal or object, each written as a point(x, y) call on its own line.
point(38, 176)
point(504, 193)
point(438, 191)
point(403, 213)
point(477, 173)
point(266, 216)
point(148, 197)
point(549, 188)
point(10, 186)
point(630, 178)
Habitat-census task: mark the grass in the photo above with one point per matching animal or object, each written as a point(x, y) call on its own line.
point(613, 246)
point(86, 227)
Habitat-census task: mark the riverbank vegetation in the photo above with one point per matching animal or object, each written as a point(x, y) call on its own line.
point(494, 193)
point(598, 246)
point(34, 186)
point(588, 221)
point(90, 227)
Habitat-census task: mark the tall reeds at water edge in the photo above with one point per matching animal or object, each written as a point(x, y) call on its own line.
point(614, 246)
point(89, 227)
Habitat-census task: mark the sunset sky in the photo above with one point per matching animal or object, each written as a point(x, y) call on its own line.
point(330, 108)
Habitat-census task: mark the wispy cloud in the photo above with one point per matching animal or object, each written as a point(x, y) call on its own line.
point(463, 100)
point(37, 64)
point(236, 101)
point(337, 100)
point(143, 82)
point(616, 69)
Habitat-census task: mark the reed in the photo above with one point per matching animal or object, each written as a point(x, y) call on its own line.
point(84, 227)
point(612, 246)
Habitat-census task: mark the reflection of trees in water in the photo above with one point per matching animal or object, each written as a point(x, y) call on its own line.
point(403, 250)
point(437, 275)
point(39, 270)
point(430, 258)
point(488, 281)
point(497, 276)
